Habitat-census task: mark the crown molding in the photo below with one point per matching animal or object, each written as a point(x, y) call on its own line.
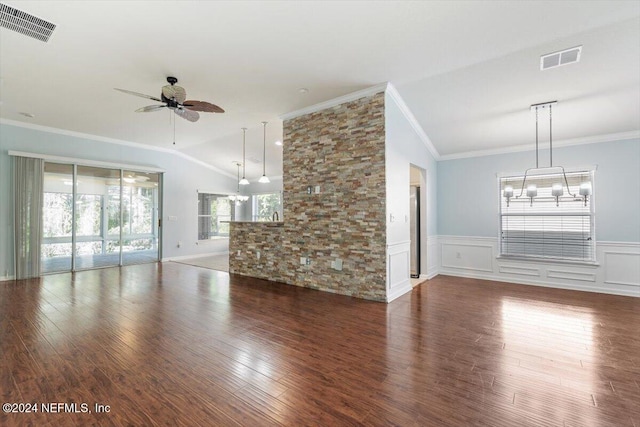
point(113, 141)
point(387, 88)
point(395, 95)
point(335, 101)
point(611, 137)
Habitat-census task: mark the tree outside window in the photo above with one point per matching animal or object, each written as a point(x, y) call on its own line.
point(264, 205)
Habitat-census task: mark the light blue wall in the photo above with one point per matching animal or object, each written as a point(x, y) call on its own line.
point(403, 149)
point(182, 179)
point(468, 202)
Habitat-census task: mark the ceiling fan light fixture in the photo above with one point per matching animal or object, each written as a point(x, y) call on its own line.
point(174, 97)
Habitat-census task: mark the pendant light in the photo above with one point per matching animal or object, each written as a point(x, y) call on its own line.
point(244, 181)
point(264, 179)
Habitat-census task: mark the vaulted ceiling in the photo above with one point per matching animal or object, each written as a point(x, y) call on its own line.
point(468, 70)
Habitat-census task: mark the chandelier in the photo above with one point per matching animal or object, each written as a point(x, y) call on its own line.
point(557, 188)
point(238, 198)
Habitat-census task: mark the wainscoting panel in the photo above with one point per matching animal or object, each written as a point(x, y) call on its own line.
point(623, 268)
point(572, 275)
point(398, 276)
point(517, 270)
point(617, 268)
point(433, 261)
point(467, 256)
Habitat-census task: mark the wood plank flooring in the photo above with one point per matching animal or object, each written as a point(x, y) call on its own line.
point(175, 345)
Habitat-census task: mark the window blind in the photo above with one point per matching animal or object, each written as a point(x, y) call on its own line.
point(214, 213)
point(546, 227)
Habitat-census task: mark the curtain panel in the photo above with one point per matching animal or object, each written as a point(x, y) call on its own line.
point(28, 181)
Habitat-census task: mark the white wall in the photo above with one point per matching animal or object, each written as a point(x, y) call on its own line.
point(405, 147)
point(182, 179)
point(468, 219)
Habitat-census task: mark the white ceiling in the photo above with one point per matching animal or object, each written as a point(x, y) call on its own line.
point(468, 70)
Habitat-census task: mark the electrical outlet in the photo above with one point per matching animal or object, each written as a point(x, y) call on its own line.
point(258, 254)
point(308, 261)
point(179, 243)
point(239, 252)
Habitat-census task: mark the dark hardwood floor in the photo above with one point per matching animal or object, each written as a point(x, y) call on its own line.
point(176, 345)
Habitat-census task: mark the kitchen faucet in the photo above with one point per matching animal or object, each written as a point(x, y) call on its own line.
point(275, 216)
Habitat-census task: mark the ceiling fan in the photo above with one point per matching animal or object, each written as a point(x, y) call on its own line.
point(174, 98)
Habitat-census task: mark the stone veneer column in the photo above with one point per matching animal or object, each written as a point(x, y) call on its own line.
point(342, 150)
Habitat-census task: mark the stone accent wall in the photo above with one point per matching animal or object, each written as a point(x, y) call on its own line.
point(249, 238)
point(341, 150)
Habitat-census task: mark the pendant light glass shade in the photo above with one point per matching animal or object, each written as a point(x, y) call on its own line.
point(244, 181)
point(264, 179)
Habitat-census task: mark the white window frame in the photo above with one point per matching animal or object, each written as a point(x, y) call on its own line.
point(254, 204)
point(563, 213)
point(199, 216)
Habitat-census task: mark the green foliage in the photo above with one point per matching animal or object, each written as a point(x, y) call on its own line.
point(266, 205)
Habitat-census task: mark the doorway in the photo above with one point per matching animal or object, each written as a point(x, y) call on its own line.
point(97, 217)
point(417, 222)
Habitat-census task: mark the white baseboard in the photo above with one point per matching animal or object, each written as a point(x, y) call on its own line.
point(7, 278)
point(183, 257)
point(430, 274)
point(399, 289)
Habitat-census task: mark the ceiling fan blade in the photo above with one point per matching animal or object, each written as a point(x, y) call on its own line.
point(174, 92)
point(150, 108)
point(192, 116)
point(206, 107)
point(142, 95)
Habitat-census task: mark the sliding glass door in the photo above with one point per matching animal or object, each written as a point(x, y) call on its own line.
point(104, 217)
point(140, 217)
point(97, 217)
point(57, 221)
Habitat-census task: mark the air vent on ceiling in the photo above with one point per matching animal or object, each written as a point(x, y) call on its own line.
point(25, 23)
point(563, 57)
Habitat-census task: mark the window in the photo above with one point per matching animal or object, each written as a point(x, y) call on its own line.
point(546, 226)
point(213, 210)
point(264, 206)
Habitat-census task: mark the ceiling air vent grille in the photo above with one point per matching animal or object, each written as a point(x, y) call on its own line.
point(563, 57)
point(24, 23)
